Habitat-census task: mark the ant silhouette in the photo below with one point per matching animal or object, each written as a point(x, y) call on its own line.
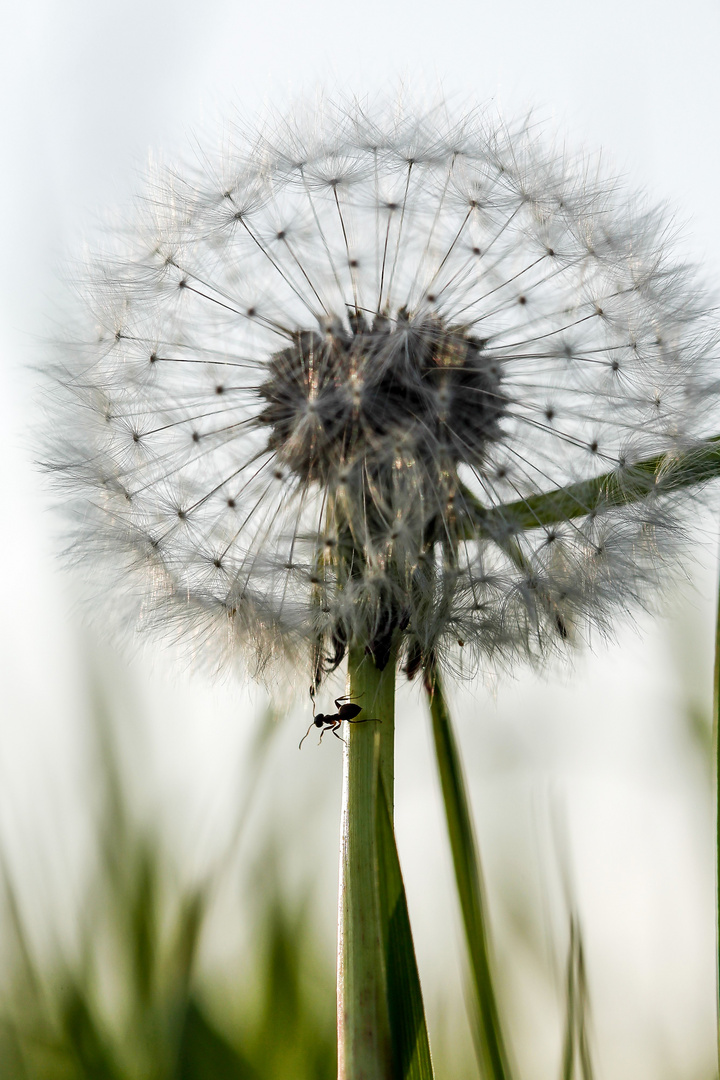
point(346, 711)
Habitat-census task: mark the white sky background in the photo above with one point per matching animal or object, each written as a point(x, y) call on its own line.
point(87, 91)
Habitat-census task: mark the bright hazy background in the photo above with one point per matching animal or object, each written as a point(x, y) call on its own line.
point(593, 783)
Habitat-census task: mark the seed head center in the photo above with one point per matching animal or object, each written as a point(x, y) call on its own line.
point(353, 396)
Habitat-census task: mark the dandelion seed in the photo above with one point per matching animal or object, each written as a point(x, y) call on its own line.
point(322, 366)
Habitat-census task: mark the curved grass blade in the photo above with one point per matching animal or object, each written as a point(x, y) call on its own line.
point(408, 1030)
point(490, 1043)
point(662, 473)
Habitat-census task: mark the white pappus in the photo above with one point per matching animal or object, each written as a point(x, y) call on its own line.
point(330, 368)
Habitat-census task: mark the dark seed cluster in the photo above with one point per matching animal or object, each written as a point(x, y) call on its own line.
point(343, 397)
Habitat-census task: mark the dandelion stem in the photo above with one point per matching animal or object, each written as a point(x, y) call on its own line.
point(494, 1060)
point(364, 1049)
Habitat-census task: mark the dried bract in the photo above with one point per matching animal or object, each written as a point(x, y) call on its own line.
point(326, 369)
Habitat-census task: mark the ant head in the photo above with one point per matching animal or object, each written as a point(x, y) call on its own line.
point(319, 720)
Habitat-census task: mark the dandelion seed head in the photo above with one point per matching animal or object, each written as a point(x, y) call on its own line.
point(330, 374)
point(370, 395)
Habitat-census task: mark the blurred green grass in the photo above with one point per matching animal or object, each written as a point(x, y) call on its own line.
point(135, 997)
point(133, 1000)
point(58, 1026)
point(131, 1004)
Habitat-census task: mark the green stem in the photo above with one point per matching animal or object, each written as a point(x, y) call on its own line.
point(660, 474)
point(364, 1050)
point(494, 1060)
point(716, 744)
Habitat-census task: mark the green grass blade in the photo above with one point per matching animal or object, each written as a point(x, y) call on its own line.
point(205, 1054)
point(408, 1029)
point(716, 740)
point(490, 1043)
point(92, 1053)
point(660, 474)
point(577, 1061)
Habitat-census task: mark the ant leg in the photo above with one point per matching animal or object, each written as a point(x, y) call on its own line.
point(365, 720)
point(334, 731)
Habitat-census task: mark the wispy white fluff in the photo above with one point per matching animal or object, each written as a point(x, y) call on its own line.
point(313, 355)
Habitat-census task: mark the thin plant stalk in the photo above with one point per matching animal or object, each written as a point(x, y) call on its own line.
point(490, 1042)
point(364, 1046)
point(576, 1058)
point(716, 746)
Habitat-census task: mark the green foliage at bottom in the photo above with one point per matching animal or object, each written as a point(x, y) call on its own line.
point(132, 1004)
point(63, 1034)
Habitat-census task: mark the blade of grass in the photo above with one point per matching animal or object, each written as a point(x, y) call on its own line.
point(662, 473)
point(205, 1054)
point(576, 1048)
point(716, 743)
point(493, 1056)
point(91, 1051)
point(408, 1029)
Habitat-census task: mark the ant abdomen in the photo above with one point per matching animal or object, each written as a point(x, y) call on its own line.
point(348, 711)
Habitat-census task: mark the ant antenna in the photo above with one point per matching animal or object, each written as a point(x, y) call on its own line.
point(305, 735)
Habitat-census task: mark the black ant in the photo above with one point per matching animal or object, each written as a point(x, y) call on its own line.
point(346, 710)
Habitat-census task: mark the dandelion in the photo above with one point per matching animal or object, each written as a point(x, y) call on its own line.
point(335, 374)
point(324, 366)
